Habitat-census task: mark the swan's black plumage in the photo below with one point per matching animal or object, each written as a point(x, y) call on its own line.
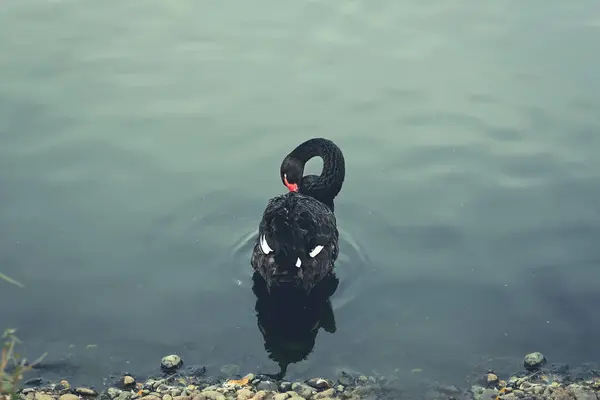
point(295, 223)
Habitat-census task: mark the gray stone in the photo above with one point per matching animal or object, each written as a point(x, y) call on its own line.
point(303, 390)
point(491, 380)
point(244, 394)
point(318, 383)
point(210, 395)
point(113, 393)
point(325, 394)
point(85, 392)
point(534, 361)
point(488, 394)
point(267, 385)
point(582, 393)
point(125, 395)
point(171, 362)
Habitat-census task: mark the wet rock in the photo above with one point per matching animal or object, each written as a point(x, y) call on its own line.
point(162, 389)
point(113, 393)
point(534, 361)
point(261, 395)
point(210, 395)
point(43, 396)
point(366, 391)
point(561, 394)
point(267, 385)
point(125, 396)
point(281, 396)
point(488, 394)
point(171, 362)
point(126, 382)
point(244, 394)
point(68, 396)
point(85, 392)
point(345, 379)
point(325, 394)
point(318, 383)
point(285, 386)
point(150, 397)
point(491, 380)
point(167, 397)
point(582, 393)
point(303, 389)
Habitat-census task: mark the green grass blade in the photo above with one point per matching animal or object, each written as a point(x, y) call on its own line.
point(10, 280)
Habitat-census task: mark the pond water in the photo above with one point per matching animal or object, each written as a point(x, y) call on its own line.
point(140, 142)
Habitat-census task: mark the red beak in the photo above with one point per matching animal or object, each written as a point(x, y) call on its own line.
point(292, 186)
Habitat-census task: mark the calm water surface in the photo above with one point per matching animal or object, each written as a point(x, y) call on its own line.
point(142, 140)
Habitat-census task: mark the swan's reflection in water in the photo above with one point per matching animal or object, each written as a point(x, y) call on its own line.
point(289, 319)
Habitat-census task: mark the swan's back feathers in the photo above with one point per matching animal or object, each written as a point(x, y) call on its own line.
point(293, 226)
point(298, 219)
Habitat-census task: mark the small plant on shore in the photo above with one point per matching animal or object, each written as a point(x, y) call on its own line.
point(12, 366)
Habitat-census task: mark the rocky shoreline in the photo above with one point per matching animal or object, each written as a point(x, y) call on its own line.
point(536, 381)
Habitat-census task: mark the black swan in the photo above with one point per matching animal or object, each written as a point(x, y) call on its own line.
point(297, 239)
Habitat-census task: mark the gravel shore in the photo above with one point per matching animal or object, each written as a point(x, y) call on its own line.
point(536, 381)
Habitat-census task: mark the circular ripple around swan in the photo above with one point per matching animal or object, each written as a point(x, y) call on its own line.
point(223, 226)
point(352, 266)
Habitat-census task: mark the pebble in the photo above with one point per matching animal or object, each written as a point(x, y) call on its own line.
point(113, 393)
point(171, 362)
point(318, 383)
point(581, 393)
point(303, 390)
point(267, 385)
point(261, 395)
point(150, 397)
point(43, 396)
point(244, 394)
point(210, 395)
point(85, 392)
point(491, 379)
point(125, 395)
point(324, 394)
point(534, 361)
point(127, 381)
point(68, 396)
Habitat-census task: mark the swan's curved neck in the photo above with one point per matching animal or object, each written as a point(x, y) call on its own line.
point(329, 183)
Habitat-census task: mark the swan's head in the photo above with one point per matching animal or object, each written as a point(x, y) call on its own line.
point(291, 172)
point(297, 242)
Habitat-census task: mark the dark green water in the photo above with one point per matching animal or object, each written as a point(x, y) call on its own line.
point(140, 142)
